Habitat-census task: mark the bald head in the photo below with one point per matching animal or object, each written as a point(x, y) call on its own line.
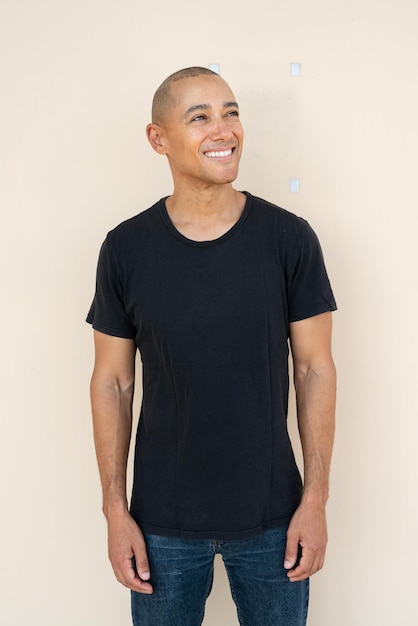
point(163, 100)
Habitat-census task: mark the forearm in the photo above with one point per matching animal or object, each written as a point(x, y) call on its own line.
point(112, 424)
point(315, 394)
point(315, 383)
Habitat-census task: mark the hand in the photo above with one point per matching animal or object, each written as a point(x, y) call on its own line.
point(125, 541)
point(307, 532)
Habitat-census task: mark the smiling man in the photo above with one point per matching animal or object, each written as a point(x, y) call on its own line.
point(212, 285)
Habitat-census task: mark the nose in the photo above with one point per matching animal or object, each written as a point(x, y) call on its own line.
point(220, 129)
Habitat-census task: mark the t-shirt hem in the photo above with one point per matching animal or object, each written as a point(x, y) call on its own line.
point(220, 535)
point(108, 330)
point(302, 315)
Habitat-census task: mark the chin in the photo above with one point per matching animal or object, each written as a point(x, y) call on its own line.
point(225, 177)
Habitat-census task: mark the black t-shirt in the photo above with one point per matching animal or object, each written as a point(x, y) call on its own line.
point(211, 320)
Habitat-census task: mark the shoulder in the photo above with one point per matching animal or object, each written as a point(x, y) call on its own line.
point(135, 235)
point(129, 241)
point(133, 227)
point(279, 219)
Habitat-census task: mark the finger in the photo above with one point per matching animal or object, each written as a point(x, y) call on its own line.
point(309, 564)
point(301, 569)
point(140, 586)
point(292, 551)
point(141, 565)
point(127, 574)
point(297, 575)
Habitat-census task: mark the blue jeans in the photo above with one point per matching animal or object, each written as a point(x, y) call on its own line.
point(182, 574)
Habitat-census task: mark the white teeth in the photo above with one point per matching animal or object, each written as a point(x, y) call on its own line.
point(220, 153)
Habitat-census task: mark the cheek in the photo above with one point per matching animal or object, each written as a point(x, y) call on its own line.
point(240, 131)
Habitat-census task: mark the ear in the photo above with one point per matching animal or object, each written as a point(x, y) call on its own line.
point(155, 137)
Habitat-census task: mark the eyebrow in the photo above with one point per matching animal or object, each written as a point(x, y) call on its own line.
point(207, 107)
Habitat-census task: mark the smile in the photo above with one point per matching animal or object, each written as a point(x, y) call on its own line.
point(218, 154)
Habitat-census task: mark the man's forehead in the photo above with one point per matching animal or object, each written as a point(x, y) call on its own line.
point(202, 90)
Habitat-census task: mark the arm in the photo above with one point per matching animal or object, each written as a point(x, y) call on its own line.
point(315, 384)
point(112, 387)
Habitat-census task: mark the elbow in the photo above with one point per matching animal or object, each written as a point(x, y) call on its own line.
point(321, 370)
point(112, 385)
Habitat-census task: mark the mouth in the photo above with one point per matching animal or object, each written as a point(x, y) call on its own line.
point(219, 154)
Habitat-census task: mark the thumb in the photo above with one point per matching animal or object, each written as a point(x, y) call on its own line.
point(141, 564)
point(292, 551)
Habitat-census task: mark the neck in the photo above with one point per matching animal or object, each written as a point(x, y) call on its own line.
point(203, 202)
point(205, 214)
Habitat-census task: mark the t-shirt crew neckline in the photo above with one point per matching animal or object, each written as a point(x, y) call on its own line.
point(212, 242)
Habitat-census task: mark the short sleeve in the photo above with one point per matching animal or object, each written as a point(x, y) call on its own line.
point(309, 289)
point(108, 312)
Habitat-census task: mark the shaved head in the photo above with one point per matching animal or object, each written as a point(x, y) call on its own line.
point(163, 100)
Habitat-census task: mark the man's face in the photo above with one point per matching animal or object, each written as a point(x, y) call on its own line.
point(202, 134)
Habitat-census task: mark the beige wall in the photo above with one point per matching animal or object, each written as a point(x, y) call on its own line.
point(76, 81)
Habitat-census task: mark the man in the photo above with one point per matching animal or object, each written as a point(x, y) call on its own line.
point(210, 284)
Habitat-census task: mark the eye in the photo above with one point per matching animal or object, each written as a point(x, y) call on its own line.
point(198, 118)
point(233, 113)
